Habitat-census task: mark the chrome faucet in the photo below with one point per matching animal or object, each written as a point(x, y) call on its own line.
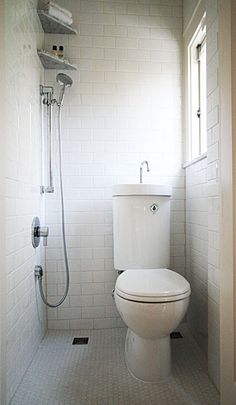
point(145, 162)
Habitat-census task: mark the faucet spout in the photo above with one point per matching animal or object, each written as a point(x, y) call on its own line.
point(145, 162)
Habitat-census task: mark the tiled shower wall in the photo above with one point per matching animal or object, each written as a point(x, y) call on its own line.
point(2, 213)
point(213, 180)
point(202, 222)
point(25, 312)
point(197, 249)
point(124, 107)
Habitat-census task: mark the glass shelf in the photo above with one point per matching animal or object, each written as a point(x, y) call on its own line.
point(53, 62)
point(52, 25)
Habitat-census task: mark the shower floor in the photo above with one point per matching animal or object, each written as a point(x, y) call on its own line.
point(95, 374)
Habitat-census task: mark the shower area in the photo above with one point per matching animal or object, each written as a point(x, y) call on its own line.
point(58, 219)
point(35, 221)
point(74, 127)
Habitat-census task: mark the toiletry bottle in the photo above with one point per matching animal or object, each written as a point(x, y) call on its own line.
point(54, 50)
point(61, 52)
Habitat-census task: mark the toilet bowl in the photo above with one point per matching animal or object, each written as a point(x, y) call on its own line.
point(152, 303)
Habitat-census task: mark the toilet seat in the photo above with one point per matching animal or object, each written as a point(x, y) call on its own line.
point(152, 286)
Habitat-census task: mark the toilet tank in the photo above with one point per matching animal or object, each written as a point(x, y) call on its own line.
point(141, 226)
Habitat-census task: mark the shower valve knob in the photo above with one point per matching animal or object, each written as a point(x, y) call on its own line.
point(39, 232)
point(43, 233)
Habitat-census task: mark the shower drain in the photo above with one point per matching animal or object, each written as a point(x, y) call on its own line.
point(176, 335)
point(80, 341)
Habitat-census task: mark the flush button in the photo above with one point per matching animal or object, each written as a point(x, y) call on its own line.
point(154, 208)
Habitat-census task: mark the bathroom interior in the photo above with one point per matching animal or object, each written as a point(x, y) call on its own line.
point(117, 202)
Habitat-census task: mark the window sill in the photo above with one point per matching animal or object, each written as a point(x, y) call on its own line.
point(192, 162)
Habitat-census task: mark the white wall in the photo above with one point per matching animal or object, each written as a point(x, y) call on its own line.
point(197, 250)
point(25, 312)
point(124, 107)
point(188, 10)
point(213, 179)
point(2, 215)
point(203, 182)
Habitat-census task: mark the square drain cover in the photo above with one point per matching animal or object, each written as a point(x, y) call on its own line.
point(176, 335)
point(80, 341)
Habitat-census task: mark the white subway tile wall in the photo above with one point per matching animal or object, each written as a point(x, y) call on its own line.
point(124, 107)
point(26, 316)
point(213, 177)
point(202, 222)
point(197, 250)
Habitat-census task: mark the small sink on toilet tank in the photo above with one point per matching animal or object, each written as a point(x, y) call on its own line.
point(142, 189)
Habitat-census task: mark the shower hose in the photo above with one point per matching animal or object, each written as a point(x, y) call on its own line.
point(62, 225)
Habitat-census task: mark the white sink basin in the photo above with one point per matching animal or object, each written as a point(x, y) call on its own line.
point(141, 189)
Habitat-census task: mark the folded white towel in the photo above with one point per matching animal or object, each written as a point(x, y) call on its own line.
point(54, 12)
point(62, 9)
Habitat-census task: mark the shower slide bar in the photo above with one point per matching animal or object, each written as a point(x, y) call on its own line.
point(46, 93)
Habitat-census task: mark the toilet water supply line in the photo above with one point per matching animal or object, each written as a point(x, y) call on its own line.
point(64, 81)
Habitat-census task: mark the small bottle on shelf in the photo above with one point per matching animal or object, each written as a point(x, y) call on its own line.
point(61, 52)
point(54, 50)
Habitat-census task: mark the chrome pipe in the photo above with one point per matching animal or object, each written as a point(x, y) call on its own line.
point(50, 188)
point(145, 162)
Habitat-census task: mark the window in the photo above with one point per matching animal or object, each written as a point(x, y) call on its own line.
point(197, 133)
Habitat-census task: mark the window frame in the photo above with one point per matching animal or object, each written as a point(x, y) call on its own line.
point(196, 82)
point(194, 34)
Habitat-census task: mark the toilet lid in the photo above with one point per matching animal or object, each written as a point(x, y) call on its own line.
point(152, 285)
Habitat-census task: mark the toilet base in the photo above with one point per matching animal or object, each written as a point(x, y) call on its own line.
point(148, 359)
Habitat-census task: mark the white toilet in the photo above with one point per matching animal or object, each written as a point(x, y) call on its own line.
point(151, 299)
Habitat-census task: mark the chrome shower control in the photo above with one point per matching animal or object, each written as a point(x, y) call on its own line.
point(154, 208)
point(38, 271)
point(43, 233)
point(48, 189)
point(38, 232)
point(34, 232)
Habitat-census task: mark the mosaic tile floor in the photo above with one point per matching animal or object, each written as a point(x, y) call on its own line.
point(95, 374)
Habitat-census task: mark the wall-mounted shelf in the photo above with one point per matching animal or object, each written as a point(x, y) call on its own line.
point(53, 25)
point(53, 62)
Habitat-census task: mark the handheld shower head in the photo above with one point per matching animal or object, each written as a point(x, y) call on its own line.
point(64, 81)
